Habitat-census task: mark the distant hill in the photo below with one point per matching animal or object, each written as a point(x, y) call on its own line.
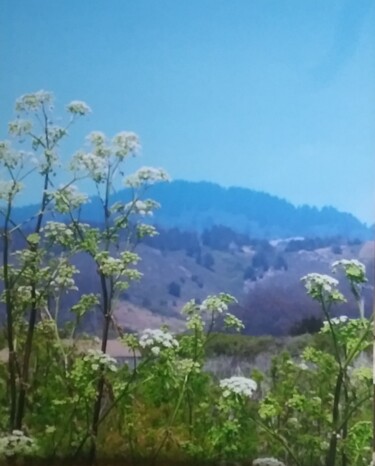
point(199, 205)
point(196, 206)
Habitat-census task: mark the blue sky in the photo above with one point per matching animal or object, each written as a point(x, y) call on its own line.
point(274, 95)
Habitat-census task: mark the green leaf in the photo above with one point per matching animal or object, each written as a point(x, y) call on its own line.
point(33, 238)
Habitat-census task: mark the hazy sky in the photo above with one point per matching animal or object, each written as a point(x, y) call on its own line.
point(274, 95)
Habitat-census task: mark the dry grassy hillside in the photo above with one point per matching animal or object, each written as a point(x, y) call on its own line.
point(269, 304)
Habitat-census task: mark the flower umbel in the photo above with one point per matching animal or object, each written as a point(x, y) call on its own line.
point(157, 339)
point(16, 443)
point(267, 462)
point(77, 107)
point(322, 287)
point(241, 386)
point(146, 176)
point(353, 268)
point(97, 359)
point(337, 320)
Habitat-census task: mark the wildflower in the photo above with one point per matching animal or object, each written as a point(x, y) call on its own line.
point(118, 266)
point(353, 268)
point(187, 365)
point(62, 275)
point(17, 443)
point(355, 272)
point(219, 304)
point(145, 230)
point(58, 232)
point(97, 138)
point(19, 127)
point(68, 198)
point(97, 359)
point(157, 338)
point(125, 143)
point(9, 157)
point(267, 462)
point(241, 386)
point(321, 286)
point(303, 366)
point(8, 189)
point(231, 321)
point(155, 350)
point(93, 164)
point(33, 101)
point(77, 107)
point(140, 207)
point(337, 320)
point(146, 176)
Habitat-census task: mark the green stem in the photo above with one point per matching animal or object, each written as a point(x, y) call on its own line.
point(331, 454)
point(279, 438)
point(172, 419)
point(9, 315)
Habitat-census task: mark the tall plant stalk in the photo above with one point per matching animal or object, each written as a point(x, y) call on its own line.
point(107, 300)
point(34, 304)
point(9, 317)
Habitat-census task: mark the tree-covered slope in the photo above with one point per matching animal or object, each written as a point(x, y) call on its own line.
point(200, 205)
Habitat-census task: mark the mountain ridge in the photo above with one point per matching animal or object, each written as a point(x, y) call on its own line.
point(199, 205)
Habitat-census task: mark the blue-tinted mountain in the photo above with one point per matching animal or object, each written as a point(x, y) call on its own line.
point(200, 205)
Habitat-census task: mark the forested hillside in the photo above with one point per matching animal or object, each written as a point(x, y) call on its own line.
point(201, 205)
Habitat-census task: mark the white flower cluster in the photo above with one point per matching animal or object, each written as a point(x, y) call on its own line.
point(77, 107)
point(303, 366)
point(157, 340)
point(23, 291)
point(318, 285)
point(9, 157)
point(146, 176)
point(348, 263)
point(62, 277)
point(58, 232)
point(219, 303)
point(267, 462)
point(55, 133)
point(338, 320)
point(125, 143)
point(97, 138)
point(91, 163)
point(33, 101)
point(335, 321)
point(68, 198)
point(117, 266)
point(17, 443)
point(186, 366)
point(8, 189)
point(142, 207)
point(326, 282)
point(232, 322)
point(353, 268)
point(146, 230)
point(242, 386)
point(19, 127)
point(97, 359)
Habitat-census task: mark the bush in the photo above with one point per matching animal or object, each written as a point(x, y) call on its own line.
point(174, 289)
point(208, 261)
